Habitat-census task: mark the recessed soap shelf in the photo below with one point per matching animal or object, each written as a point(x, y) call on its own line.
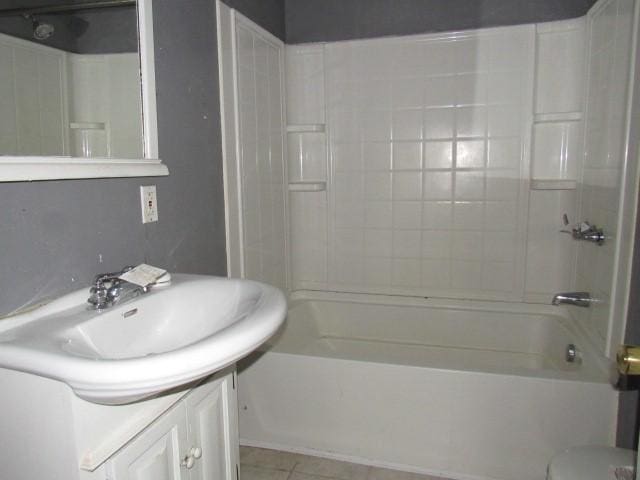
point(557, 117)
point(315, 186)
point(306, 128)
point(87, 125)
point(553, 184)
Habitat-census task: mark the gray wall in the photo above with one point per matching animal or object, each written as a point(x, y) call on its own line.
point(52, 233)
point(65, 25)
point(269, 14)
point(108, 30)
point(331, 20)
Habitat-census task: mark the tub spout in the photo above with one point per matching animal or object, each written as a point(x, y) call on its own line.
point(579, 299)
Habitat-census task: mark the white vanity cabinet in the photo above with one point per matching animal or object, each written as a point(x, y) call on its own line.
point(156, 453)
point(195, 440)
point(47, 432)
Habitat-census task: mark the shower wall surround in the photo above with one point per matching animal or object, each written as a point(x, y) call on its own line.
point(32, 98)
point(260, 58)
point(429, 166)
point(450, 159)
point(48, 97)
point(556, 147)
point(610, 180)
point(106, 89)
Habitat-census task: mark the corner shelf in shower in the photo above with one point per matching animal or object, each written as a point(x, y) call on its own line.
point(557, 117)
point(87, 125)
point(315, 186)
point(306, 128)
point(553, 184)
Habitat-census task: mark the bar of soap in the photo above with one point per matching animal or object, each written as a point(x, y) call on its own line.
point(143, 275)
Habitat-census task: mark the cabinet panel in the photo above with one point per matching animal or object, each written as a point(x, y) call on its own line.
point(210, 414)
point(156, 453)
point(195, 440)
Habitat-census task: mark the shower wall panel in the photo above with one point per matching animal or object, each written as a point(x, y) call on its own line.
point(32, 98)
point(56, 103)
point(105, 92)
point(428, 166)
point(609, 184)
point(260, 64)
point(307, 162)
point(451, 159)
point(556, 157)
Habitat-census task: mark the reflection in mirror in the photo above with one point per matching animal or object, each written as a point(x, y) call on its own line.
point(70, 79)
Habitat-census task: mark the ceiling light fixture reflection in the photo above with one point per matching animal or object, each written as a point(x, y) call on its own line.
point(41, 30)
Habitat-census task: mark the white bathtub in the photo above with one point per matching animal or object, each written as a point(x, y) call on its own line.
point(453, 388)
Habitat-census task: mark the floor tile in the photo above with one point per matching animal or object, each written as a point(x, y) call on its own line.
point(387, 474)
point(330, 468)
point(264, 458)
point(248, 472)
point(266, 464)
point(305, 476)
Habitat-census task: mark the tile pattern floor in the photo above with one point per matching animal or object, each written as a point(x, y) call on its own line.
point(263, 464)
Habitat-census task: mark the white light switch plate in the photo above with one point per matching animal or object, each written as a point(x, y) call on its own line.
point(149, 203)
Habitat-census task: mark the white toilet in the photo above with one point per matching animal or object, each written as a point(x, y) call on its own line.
point(590, 463)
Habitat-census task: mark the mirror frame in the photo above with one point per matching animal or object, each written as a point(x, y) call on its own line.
point(31, 168)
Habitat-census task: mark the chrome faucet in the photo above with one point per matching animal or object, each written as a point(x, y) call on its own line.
point(584, 231)
point(579, 299)
point(108, 289)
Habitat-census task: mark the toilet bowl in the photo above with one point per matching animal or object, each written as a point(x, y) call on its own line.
point(590, 463)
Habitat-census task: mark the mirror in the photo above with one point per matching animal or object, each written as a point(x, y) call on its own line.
point(77, 89)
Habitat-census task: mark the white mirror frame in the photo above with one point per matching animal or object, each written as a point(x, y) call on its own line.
point(30, 168)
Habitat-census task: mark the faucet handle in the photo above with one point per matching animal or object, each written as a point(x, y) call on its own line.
point(584, 231)
point(99, 296)
point(565, 222)
point(580, 299)
point(108, 288)
point(103, 277)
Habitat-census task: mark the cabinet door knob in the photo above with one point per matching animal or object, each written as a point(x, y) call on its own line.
point(196, 452)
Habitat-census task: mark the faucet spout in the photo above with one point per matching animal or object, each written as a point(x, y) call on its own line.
point(108, 289)
point(579, 299)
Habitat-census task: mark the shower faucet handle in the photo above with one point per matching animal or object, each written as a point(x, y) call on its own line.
point(579, 299)
point(584, 231)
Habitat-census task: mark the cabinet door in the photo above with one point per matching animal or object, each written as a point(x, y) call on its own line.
point(157, 452)
point(211, 417)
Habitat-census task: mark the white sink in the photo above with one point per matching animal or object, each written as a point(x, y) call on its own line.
point(168, 337)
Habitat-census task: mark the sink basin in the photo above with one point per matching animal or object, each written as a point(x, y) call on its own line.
point(171, 336)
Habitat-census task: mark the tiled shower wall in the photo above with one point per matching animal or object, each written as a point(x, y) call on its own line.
point(610, 179)
point(428, 167)
point(556, 150)
point(450, 160)
point(261, 122)
point(105, 89)
point(32, 98)
point(45, 91)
